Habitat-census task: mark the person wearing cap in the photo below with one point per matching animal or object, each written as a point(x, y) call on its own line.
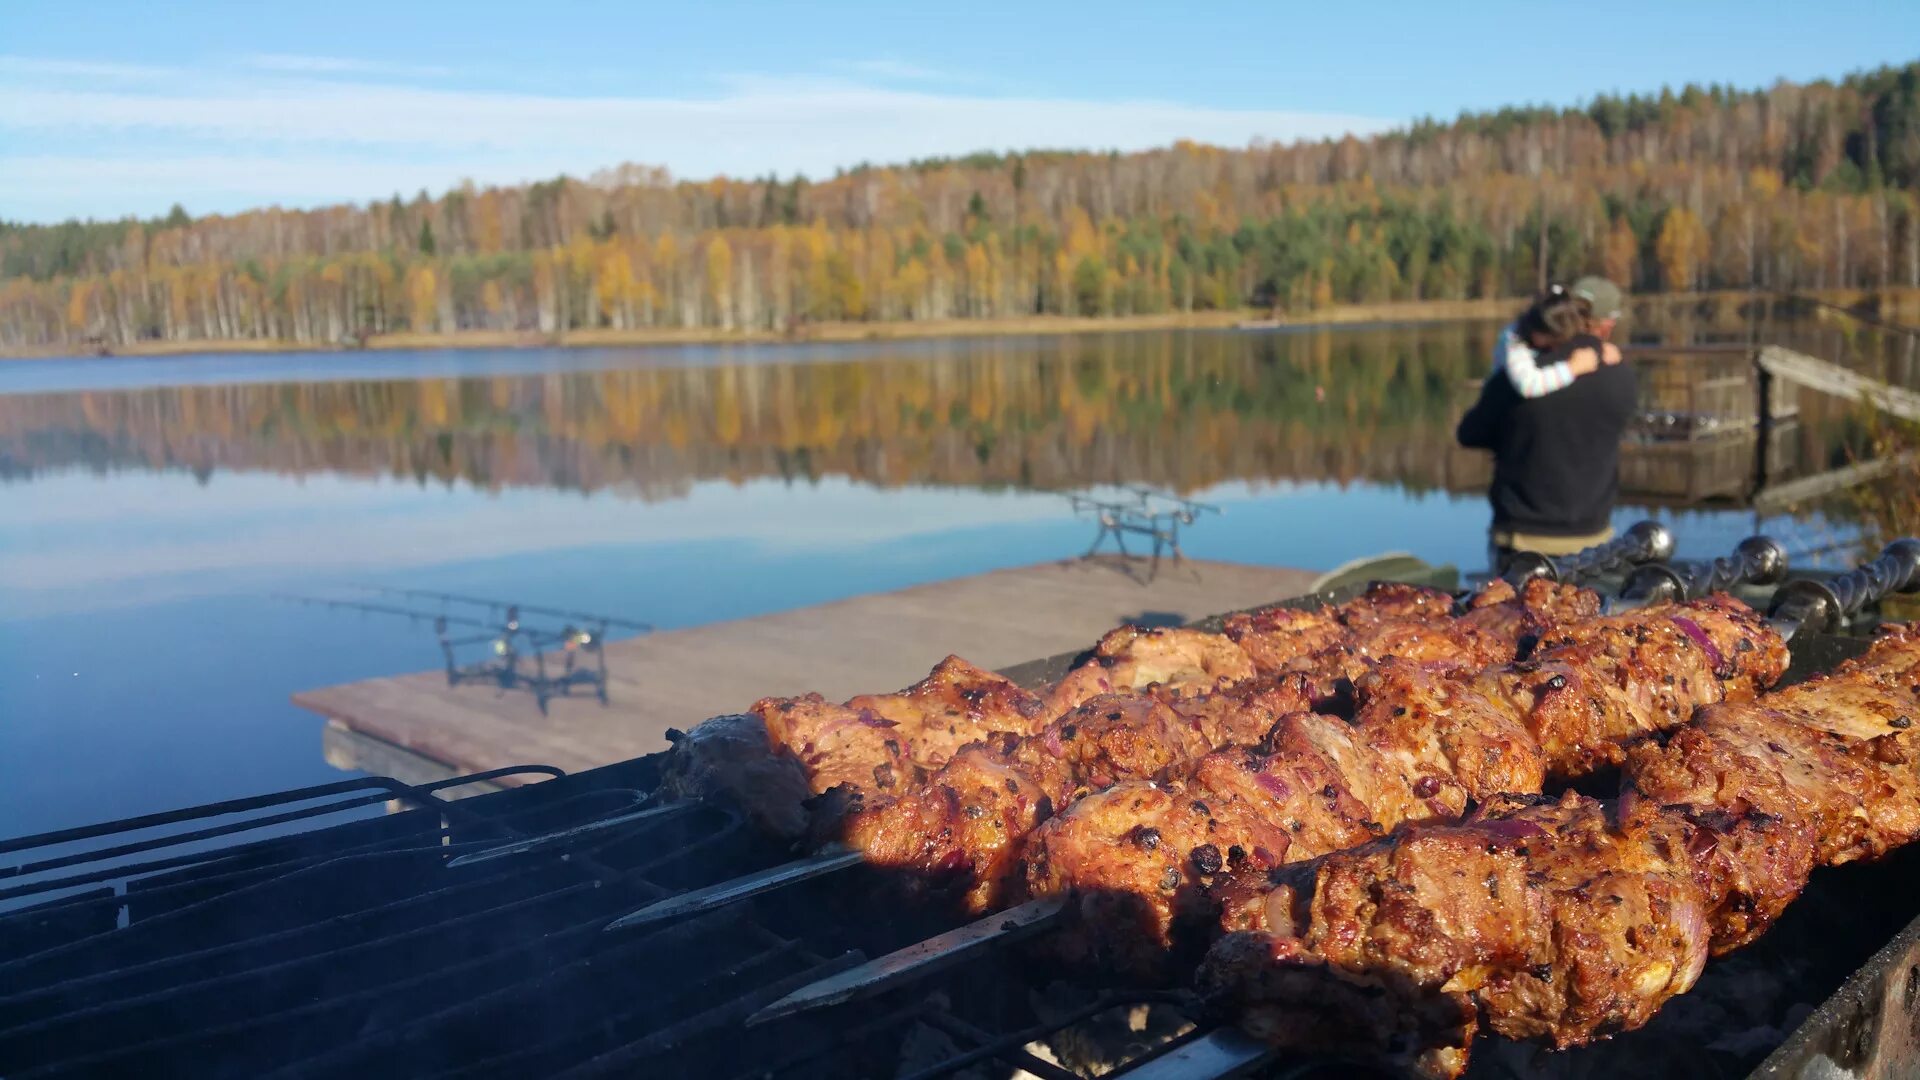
point(1517, 350)
point(1556, 455)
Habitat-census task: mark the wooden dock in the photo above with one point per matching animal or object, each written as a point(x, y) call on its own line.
point(860, 645)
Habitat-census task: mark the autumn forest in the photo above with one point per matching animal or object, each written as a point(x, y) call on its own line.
point(1793, 187)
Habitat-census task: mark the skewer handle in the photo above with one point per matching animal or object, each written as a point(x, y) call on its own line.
point(1825, 606)
point(1758, 560)
point(1646, 542)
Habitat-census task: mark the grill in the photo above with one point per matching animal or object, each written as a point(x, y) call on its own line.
point(308, 934)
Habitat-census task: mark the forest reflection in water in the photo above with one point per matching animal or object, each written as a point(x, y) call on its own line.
point(1183, 411)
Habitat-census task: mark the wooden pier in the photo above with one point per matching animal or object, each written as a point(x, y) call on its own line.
point(865, 644)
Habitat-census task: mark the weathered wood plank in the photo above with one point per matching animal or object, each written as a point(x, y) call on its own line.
point(1782, 496)
point(1829, 378)
point(858, 645)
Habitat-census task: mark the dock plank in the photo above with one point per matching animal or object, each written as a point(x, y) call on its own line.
point(861, 644)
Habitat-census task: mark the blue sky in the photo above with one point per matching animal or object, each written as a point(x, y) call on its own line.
point(111, 108)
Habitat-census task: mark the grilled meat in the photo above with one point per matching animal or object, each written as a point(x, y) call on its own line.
point(1424, 742)
point(1275, 638)
point(1115, 739)
point(965, 824)
point(1571, 920)
point(1132, 658)
point(879, 746)
point(727, 758)
point(1403, 623)
point(1835, 754)
point(1542, 918)
point(1272, 641)
point(884, 742)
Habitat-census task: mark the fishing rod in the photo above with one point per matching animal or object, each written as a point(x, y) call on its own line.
point(458, 598)
point(388, 609)
point(499, 634)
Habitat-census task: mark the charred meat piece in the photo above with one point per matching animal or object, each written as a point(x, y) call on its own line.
point(1833, 759)
point(1152, 849)
point(1589, 691)
point(1542, 921)
point(1280, 639)
point(954, 705)
point(1500, 625)
point(1570, 920)
point(883, 742)
point(1132, 658)
point(1427, 739)
point(960, 830)
point(726, 759)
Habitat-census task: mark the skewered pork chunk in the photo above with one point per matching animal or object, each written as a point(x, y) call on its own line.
point(1835, 753)
point(1276, 638)
point(1271, 641)
point(882, 742)
point(966, 824)
point(883, 745)
point(1424, 742)
point(1616, 908)
point(726, 758)
point(1132, 658)
point(1109, 740)
point(1500, 624)
point(1539, 915)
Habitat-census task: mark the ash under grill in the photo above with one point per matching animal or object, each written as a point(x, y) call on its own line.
point(305, 935)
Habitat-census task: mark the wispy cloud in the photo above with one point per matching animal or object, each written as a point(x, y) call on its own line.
point(319, 129)
point(295, 63)
point(30, 66)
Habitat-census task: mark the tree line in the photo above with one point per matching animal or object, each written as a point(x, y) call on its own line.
point(1796, 186)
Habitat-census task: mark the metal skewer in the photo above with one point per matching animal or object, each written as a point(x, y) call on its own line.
point(1825, 606)
point(1758, 560)
point(546, 840)
point(1820, 609)
point(1646, 540)
point(827, 860)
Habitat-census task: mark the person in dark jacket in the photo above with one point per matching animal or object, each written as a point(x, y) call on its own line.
point(1556, 458)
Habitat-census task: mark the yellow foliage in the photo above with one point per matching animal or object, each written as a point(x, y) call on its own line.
point(1680, 248)
point(77, 304)
point(423, 293)
point(720, 278)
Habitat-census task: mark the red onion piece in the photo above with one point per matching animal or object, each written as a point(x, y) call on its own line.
point(1700, 638)
point(1512, 830)
point(1273, 786)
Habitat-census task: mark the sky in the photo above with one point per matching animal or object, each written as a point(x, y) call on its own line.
point(111, 108)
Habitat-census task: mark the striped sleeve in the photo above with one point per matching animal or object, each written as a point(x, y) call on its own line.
point(1529, 379)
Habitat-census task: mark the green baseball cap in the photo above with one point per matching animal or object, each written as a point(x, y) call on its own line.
point(1604, 295)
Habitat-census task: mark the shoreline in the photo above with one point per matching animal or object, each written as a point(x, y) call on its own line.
point(1397, 312)
point(817, 333)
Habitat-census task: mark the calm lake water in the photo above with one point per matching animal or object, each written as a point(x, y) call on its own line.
point(156, 515)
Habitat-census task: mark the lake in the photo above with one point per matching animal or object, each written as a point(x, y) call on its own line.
point(163, 521)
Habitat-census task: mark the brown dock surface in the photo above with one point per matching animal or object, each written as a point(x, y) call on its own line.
point(864, 644)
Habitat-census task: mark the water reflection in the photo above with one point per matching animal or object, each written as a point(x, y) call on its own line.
point(1183, 411)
